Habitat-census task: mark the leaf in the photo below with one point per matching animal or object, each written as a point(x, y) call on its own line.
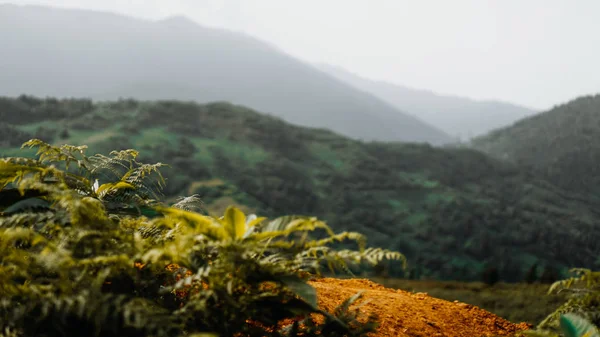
point(12, 171)
point(278, 224)
point(201, 224)
point(191, 203)
point(27, 205)
point(345, 306)
point(251, 222)
point(302, 289)
point(577, 326)
point(95, 186)
point(235, 222)
point(107, 188)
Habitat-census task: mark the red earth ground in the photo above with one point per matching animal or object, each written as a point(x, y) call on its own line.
point(403, 313)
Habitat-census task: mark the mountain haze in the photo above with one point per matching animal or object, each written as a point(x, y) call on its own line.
point(457, 116)
point(79, 53)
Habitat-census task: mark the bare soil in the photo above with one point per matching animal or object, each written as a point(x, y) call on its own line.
point(403, 313)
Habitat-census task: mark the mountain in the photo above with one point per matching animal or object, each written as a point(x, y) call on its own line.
point(457, 116)
point(562, 144)
point(78, 53)
point(453, 211)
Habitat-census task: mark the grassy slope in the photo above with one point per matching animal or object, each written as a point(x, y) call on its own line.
point(451, 211)
point(562, 144)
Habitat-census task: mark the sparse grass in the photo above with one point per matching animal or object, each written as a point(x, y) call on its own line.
point(517, 302)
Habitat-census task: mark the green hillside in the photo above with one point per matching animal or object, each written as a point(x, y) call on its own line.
point(453, 212)
point(561, 145)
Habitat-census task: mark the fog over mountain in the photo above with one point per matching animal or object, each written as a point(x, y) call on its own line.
point(79, 53)
point(458, 116)
point(534, 53)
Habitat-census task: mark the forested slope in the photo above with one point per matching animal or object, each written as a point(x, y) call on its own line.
point(453, 212)
point(561, 145)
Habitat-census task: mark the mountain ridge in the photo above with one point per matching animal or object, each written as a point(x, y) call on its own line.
point(456, 115)
point(101, 55)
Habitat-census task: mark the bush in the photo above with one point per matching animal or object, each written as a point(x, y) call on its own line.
point(583, 304)
point(90, 250)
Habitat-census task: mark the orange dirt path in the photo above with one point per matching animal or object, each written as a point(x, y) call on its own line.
point(401, 313)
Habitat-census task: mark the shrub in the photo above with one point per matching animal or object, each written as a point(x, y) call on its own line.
point(584, 303)
point(89, 249)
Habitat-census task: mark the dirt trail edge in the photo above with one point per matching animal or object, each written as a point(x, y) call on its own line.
point(403, 313)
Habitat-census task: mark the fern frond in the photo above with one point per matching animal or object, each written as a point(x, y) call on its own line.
point(584, 299)
point(191, 203)
point(13, 172)
point(198, 224)
point(66, 154)
point(340, 237)
point(576, 326)
point(112, 315)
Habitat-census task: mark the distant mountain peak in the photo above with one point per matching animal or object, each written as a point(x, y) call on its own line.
point(178, 19)
point(101, 55)
point(457, 116)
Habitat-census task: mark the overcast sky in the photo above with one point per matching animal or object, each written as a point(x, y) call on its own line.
point(532, 52)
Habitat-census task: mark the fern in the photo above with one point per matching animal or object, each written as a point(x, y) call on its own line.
point(571, 325)
point(583, 303)
point(95, 252)
point(192, 203)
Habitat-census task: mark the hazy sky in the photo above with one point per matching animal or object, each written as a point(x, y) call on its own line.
point(533, 52)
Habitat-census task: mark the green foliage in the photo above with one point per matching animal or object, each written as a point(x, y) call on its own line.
point(105, 257)
point(584, 301)
point(580, 313)
point(571, 325)
point(576, 326)
point(457, 210)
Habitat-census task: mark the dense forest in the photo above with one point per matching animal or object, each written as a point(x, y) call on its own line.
point(560, 145)
point(455, 213)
